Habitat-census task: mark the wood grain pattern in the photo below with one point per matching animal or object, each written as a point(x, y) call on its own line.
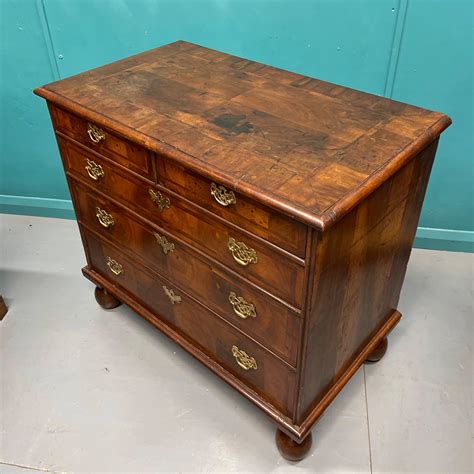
point(250, 215)
point(327, 185)
point(276, 326)
point(279, 272)
point(212, 335)
point(260, 220)
point(122, 151)
point(359, 271)
point(302, 146)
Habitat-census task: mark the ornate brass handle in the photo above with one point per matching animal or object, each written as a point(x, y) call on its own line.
point(162, 201)
point(166, 245)
point(241, 307)
point(94, 170)
point(114, 266)
point(96, 134)
point(174, 298)
point(243, 359)
point(222, 195)
point(105, 219)
point(241, 253)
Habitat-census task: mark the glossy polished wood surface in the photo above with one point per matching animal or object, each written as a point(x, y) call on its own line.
point(116, 148)
point(359, 271)
point(105, 299)
point(261, 219)
point(290, 449)
point(273, 324)
point(304, 146)
point(282, 272)
point(189, 318)
point(378, 352)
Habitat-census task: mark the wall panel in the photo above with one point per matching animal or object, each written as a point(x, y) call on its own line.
point(338, 40)
point(419, 51)
point(28, 154)
point(435, 70)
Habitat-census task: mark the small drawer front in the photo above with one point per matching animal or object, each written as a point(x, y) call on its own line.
point(235, 352)
point(252, 311)
point(226, 203)
point(101, 140)
point(264, 266)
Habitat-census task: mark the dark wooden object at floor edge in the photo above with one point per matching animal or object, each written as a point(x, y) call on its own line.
point(261, 219)
point(3, 308)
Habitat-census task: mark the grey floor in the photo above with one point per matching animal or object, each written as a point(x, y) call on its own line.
point(86, 390)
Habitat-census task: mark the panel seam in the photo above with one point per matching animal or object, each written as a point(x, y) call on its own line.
point(398, 31)
point(48, 39)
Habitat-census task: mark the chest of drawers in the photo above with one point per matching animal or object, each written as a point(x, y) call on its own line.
point(261, 219)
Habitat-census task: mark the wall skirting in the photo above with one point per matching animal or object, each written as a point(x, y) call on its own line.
point(35, 206)
point(445, 239)
point(426, 237)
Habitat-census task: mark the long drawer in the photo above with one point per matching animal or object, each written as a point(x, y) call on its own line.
point(238, 354)
point(232, 206)
point(256, 218)
point(260, 316)
point(253, 258)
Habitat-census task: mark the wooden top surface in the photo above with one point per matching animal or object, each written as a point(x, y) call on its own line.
point(306, 147)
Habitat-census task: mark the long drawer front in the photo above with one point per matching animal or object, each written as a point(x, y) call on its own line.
point(251, 257)
point(232, 206)
point(238, 354)
point(213, 196)
point(268, 321)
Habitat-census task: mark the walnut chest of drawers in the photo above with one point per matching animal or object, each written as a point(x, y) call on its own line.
point(261, 219)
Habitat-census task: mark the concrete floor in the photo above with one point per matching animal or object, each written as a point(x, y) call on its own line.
point(86, 390)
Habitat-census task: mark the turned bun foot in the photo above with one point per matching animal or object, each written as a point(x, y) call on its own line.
point(291, 450)
point(378, 352)
point(105, 299)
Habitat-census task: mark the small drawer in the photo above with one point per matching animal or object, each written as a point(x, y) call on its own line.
point(255, 313)
point(239, 355)
point(279, 273)
point(234, 207)
point(103, 141)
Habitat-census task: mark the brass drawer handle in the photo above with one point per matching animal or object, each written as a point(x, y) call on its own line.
point(243, 359)
point(222, 195)
point(163, 202)
point(241, 253)
point(114, 266)
point(241, 307)
point(96, 134)
point(94, 170)
point(105, 219)
point(174, 298)
point(166, 245)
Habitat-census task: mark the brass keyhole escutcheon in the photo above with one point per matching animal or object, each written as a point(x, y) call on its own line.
point(174, 298)
point(162, 201)
point(165, 244)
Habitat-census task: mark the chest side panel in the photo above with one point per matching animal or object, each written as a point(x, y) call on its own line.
point(360, 267)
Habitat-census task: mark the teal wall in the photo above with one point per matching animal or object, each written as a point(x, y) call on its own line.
point(418, 51)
